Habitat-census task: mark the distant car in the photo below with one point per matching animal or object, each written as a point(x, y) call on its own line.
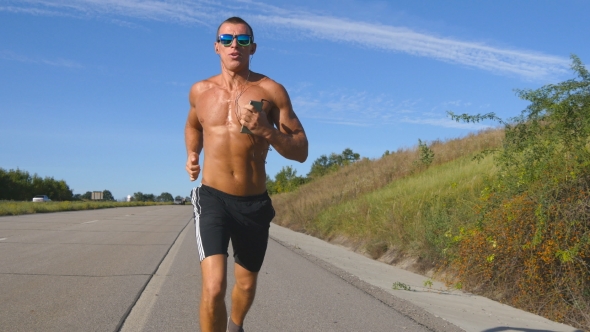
point(179, 201)
point(41, 198)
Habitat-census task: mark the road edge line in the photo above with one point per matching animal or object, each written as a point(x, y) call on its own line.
point(140, 293)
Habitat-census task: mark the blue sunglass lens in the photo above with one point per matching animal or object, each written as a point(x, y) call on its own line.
point(226, 40)
point(243, 40)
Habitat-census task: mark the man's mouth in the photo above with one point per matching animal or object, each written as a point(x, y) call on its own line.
point(235, 55)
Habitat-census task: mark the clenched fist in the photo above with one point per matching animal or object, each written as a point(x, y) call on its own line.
point(192, 166)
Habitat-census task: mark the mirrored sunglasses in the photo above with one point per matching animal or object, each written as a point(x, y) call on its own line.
point(227, 39)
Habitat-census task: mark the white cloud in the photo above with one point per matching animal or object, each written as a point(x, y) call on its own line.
point(8, 55)
point(362, 109)
point(31, 11)
point(529, 65)
point(171, 11)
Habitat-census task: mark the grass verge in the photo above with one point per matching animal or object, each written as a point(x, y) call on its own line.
point(12, 208)
point(413, 215)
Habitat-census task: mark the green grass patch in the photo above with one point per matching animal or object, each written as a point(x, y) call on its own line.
point(13, 208)
point(414, 214)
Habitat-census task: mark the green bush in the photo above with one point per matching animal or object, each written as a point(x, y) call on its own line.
point(532, 242)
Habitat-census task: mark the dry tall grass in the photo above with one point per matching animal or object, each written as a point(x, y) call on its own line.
point(297, 209)
point(411, 215)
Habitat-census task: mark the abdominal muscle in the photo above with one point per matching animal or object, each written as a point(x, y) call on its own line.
point(234, 162)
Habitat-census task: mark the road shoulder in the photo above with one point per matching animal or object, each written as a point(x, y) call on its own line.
point(466, 311)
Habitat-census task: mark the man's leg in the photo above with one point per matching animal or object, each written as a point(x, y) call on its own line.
point(212, 310)
point(242, 294)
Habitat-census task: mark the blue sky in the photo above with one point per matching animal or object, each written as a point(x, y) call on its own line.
point(95, 92)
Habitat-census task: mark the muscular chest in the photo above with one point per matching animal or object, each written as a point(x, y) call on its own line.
point(224, 108)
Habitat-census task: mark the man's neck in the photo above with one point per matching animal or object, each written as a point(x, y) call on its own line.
point(235, 80)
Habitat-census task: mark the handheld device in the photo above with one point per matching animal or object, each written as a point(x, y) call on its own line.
point(258, 108)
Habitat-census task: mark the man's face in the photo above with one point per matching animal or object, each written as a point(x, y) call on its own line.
point(234, 55)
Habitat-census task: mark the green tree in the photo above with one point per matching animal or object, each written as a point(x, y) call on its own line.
point(270, 185)
point(87, 195)
point(21, 186)
point(553, 131)
point(18, 186)
point(320, 167)
point(165, 197)
point(426, 155)
point(550, 136)
point(324, 164)
point(348, 157)
point(285, 181)
point(139, 197)
point(107, 195)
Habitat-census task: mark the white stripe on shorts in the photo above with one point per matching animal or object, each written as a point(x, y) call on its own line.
point(197, 209)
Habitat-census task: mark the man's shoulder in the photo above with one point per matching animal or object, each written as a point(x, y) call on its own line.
point(206, 84)
point(269, 84)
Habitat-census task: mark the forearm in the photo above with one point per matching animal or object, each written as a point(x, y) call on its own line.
point(193, 139)
point(291, 146)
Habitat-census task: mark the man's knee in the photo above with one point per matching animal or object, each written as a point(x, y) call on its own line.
point(214, 290)
point(214, 278)
point(248, 285)
point(245, 280)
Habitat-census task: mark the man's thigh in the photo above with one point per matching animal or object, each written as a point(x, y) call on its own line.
point(214, 274)
point(211, 224)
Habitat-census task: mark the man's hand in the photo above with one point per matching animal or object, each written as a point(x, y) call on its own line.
point(192, 166)
point(256, 121)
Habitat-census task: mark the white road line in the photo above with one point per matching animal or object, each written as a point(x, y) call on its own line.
point(2, 239)
point(138, 317)
point(90, 222)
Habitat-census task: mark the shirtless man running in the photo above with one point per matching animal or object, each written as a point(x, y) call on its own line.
point(232, 202)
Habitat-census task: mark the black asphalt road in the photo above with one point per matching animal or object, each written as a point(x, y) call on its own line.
point(135, 269)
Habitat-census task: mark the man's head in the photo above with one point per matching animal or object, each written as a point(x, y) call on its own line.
point(236, 20)
point(235, 43)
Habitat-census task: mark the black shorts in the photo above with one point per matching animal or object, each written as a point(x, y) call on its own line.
point(245, 220)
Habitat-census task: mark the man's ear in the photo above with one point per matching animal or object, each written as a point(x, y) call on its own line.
point(253, 49)
point(216, 47)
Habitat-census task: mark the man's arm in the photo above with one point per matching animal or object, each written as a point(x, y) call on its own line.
point(193, 137)
point(288, 138)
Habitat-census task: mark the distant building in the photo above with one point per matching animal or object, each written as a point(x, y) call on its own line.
point(96, 195)
point(128, 198)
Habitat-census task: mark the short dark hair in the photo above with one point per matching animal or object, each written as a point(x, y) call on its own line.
point(235, 20)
